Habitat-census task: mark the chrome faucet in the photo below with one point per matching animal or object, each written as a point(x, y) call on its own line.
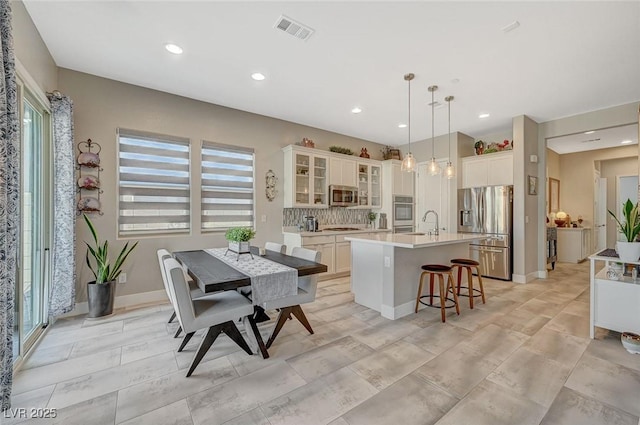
point(436, 230)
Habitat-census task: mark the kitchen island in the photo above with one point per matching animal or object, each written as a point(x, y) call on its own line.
point(385, 268)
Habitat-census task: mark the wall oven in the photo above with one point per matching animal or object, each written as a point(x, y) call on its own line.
point(343, 196)
point(403, 220)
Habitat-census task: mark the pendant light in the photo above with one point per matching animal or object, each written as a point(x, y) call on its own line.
point(409, 162)
point(433, 168)
point(449, 170)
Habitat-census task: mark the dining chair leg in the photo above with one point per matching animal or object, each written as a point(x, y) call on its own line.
point(173, 316)
point(206, 343)
point(297, 311)
point(282, 318)
point(231, 330)
point(256, 333)
point(185, 341)
point(178, 332)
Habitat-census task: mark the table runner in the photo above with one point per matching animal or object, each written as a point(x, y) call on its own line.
point(269, 280)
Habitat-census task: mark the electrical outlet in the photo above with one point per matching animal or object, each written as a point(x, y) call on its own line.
point(387, 261)
point(264, 218)
point(122, 278)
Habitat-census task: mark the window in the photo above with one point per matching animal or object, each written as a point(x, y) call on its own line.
point(227, 186)
point(153, 183)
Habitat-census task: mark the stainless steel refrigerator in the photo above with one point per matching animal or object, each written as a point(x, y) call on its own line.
point(489, 210)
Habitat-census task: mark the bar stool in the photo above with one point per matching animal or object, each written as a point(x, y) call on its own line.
point(464, 263)
point(439, 270)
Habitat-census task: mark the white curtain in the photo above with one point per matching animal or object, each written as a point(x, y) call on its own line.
point(9, 201)
point(62, 298)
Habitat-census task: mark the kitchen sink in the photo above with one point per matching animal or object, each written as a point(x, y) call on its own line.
point(341, 229)
point(415, 234)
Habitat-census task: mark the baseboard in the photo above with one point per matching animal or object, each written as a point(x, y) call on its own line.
point(333, 276)
point(123, 301)
point(519, 278)
point(399, 311)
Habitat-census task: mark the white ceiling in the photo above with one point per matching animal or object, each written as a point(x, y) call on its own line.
point(598, 139)
point(565, 58)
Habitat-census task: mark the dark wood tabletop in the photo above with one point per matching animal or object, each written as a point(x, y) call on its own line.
point(213, 275)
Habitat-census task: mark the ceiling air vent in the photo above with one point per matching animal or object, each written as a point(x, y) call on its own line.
point(293, 28)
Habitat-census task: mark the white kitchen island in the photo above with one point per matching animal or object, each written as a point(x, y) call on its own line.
point(385, 268)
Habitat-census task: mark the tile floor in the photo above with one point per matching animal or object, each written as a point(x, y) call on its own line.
point(524, 357)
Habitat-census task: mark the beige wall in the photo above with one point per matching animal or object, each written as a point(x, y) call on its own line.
point(102, 105)
point(525, 206)
point(31, 51)
point(576, 179)
point(611, 170)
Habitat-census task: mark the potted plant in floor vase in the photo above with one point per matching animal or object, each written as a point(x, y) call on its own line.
point(629, 250)
point(238, 238)
point(101, 291)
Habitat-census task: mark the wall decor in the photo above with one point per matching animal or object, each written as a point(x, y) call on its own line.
point(394, 154)
point(271, 181)
point(89, 178)
point(533, 185)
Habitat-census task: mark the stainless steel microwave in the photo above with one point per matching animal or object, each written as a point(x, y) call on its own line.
point(343, 196)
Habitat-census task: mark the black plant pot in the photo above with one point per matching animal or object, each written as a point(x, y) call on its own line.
point(101, 298)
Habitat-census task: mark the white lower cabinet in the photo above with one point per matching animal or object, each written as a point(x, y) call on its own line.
point(336, 252)
point(574, 244)
point(327, 251)
point(343, 257)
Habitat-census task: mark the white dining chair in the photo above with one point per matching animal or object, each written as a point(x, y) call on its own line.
point(193, 287)
point(216, 311)
point(307, 286)
point(277, 247)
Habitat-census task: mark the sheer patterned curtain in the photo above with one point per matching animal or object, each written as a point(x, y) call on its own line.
point(62, 298)
point(9, 201)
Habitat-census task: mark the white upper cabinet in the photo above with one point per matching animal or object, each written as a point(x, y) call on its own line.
point(402, 183)
point(493, 169)
point(342, 172)
point(369, 184)
point(305, 178)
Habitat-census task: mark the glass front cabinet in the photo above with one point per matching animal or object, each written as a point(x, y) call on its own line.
point(305, 178)
point(369, 185)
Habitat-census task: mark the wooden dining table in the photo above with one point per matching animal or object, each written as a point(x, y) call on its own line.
point(212, 274)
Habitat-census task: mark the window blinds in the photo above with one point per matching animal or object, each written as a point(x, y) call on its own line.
point(154, 183)
point(227, 186)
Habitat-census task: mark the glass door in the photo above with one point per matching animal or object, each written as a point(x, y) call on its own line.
point(363, 184)
point(34, 222)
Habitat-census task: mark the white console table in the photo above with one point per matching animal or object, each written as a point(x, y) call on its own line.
point(615, 304)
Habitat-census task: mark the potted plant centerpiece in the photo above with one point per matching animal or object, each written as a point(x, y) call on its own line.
point(101, 291)
point(628, 250)
point(238, 238)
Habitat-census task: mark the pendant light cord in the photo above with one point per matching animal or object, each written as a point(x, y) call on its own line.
point(433, 125)
point(449, 103)
point(409, 120)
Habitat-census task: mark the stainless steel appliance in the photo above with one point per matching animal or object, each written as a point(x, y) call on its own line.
point(382, 224)
point(403, 220)
point(343, 196)
point(311, 224)
point(489, 210)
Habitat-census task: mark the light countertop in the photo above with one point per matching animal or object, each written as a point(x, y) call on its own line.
point(322, 232)
point(575, 229)
point(406, 240)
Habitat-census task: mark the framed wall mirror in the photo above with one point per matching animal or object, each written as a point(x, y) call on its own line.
point(554, 195)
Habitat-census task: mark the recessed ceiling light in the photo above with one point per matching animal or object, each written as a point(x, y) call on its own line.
point(173, 48)
point(626, 142)
point(356, 110)
point(589, 132)
point(258, 76)
point(484, 115)
point(402, 126)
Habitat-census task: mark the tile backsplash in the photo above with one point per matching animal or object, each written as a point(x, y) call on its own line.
point(295, 216)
